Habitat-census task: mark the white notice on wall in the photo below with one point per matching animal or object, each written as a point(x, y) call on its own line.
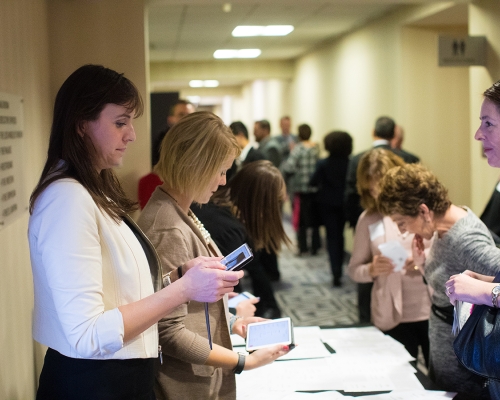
point(13, 201)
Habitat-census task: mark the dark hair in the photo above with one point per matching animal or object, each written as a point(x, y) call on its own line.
point(338, 144)
point(239, 127)
point(81, 98)
point(264, 124)
point(171, 110)
point(304, 132)
point(384, 128)
point(255, 195)
point(493, 94)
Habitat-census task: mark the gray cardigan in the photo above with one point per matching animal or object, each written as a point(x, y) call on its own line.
point(183, 333)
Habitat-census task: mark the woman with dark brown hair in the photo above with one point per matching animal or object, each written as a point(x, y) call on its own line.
point(95, 303)
point(248, 209)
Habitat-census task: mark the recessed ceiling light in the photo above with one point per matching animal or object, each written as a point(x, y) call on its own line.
point(260, 30)
point(211, 83)
point(243, 53)
point(197, 83)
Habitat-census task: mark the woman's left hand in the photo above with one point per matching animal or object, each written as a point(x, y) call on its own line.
point(240, 325)
point(411, 268)
point(465, 288)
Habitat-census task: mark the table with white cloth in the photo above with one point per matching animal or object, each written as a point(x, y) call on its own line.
point(338, 363)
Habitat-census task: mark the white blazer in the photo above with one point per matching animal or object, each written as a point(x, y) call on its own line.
point(85, 266)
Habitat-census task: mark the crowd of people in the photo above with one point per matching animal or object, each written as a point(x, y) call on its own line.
point(140, 310)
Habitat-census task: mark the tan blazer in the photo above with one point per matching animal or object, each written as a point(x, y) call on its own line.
point(183, 333)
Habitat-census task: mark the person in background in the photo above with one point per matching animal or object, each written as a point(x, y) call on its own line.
point(270, 148)
point(248, 210)
point(287, 139)
point(471, 286)
point(149, 182)
point(400, 303)
point(94, 272)
point(418, 203)
point(383, 133)
point(194, 158)
point(248, 152)
point(299, 168)
point(329, 177)
point(397, 143)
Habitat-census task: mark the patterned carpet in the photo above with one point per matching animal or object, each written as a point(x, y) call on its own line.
point(305, 291)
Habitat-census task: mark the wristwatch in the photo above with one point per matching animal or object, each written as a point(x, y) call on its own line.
point(495, 292)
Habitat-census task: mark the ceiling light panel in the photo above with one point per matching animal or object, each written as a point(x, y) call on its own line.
point(242, 53)
point(260, 30)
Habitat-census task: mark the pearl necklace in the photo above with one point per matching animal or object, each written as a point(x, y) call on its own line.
point(200, 226)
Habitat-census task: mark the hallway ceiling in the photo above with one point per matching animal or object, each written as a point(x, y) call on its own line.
point(191, 30)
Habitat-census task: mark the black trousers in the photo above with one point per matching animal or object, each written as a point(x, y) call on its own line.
point(64, 378)
point(308, 219)
point(412, 335)
point(333, 218)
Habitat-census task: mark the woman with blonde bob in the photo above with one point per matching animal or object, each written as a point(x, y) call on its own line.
point(418, 203)
point(248, 210)
point(399, 299)
point(194, 158)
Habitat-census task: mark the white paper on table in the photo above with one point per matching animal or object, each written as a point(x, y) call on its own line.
point(309, 344)
point(237, 340)
point(396, 252)
point(376, 230)
point(327, 395)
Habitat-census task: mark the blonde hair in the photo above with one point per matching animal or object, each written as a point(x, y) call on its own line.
point(373, 165)
point(193, 152)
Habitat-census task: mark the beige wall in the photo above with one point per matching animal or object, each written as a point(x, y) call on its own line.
point(24, 71)
point(111, 33)
point(483, 21)
point(387, 68)
point(435, 110)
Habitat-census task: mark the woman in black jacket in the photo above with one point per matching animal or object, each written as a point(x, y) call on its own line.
point(329, 177)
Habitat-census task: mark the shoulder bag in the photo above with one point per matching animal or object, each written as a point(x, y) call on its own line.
point(477, 345)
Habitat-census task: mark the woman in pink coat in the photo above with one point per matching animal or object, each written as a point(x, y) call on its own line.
point(400, 303)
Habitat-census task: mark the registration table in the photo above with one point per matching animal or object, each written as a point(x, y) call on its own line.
point(338, 363)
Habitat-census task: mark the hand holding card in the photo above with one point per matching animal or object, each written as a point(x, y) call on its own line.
point(396, 252)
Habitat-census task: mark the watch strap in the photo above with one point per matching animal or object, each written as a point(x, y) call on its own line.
point(241, 364)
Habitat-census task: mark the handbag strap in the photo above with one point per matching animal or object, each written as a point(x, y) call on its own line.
point(152, 256)
point(443, 313)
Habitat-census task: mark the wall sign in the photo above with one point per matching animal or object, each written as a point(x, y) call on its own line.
point(462, 51)
point(13, 201)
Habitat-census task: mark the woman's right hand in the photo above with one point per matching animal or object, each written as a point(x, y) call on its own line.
point(265, 356)
point(206, 279)
point(380, 266)
point(417, 250)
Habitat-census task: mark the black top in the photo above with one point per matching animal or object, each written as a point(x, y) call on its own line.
point(329, 177)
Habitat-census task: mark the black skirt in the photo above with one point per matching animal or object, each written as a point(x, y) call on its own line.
point(75, 378)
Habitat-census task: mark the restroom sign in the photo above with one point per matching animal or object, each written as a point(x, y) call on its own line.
point(461, 51)
point(13, 201)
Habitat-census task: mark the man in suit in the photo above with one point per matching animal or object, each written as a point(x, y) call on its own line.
point(383, 133)
point(268, 145)
point(397, 143)
point(248, 152)
point(271, 150)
